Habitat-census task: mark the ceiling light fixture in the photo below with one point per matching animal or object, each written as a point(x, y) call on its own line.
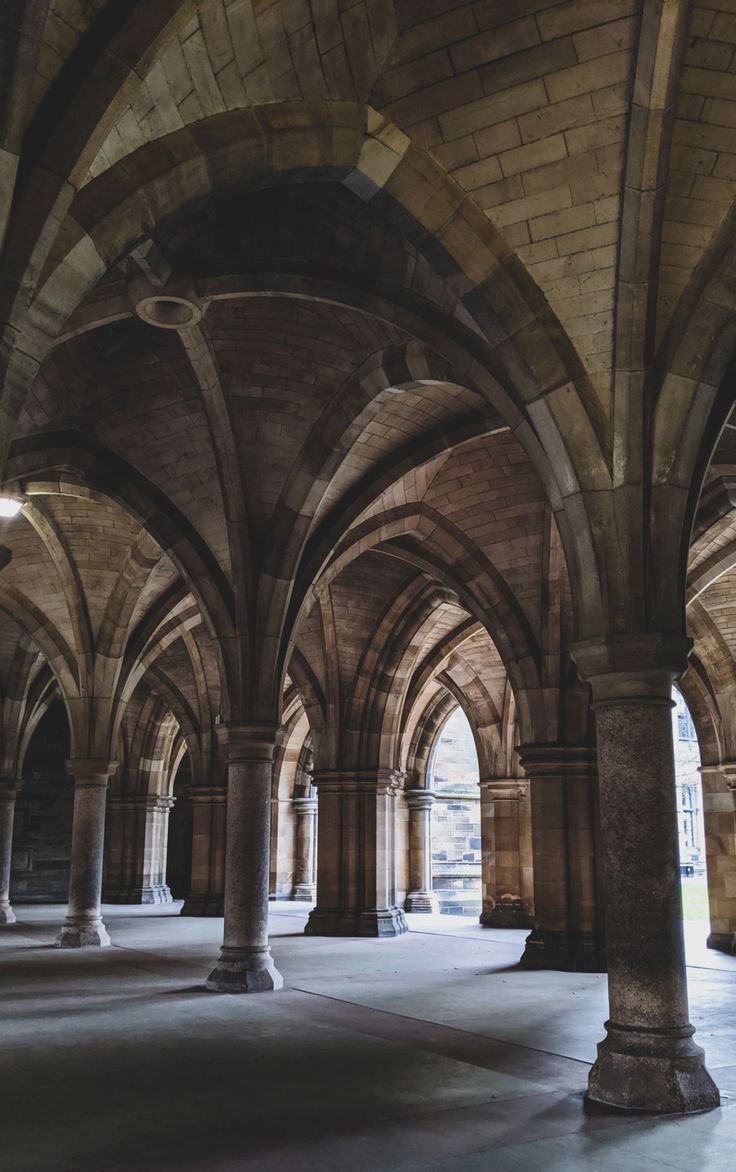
point(10, 506)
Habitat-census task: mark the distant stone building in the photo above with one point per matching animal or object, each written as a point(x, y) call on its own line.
point(456, 837)
point(689, 789)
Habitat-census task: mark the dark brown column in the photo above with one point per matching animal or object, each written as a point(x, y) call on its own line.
point(245, 964)
point(420, 897)
point(502, 818)
point(356, 892)
point(568, 930)
point(209, 818)
point(8, 794)
point(648, 1060)
point(83, 927)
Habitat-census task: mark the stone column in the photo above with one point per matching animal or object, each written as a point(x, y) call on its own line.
point(83, 927)
point(356, 890)
point(209, 816)
point(245, 964)
point(154, 888)
point(135, 849)
point(567, 931)
point(305, 871)
point(420, 897)
point(719, 815)
point(501, 843)
point(648, 1060)
point(8, 793)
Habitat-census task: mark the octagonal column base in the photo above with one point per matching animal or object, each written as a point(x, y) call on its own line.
point(507, 912)
point(245, 970)
point(328, 922)
point(721, 942)
point(567, 952)
point(78, 933)
point(305, 892)
point(7, 915)
point(651, 1071)
point(425, 902)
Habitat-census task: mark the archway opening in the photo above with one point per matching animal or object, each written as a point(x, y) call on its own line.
point(456, 845)
point(42, 832)
point(690, 820)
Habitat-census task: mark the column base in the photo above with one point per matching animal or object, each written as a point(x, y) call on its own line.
point(154, 893)
point(507, 912)
point(204, 905)
point(7, 915)
point(386, 922)
point(651, 1070)
point(422, 901)
point(244, 970)
point(567, 952)
point(722, 942)
point(83, 934)
point(305, 892)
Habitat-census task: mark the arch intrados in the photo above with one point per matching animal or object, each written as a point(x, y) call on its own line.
point(392, 653)
point(415, 754)
point(434, 663)
point(378, 532)
point(703, 708)
point(117, 211)
point(44, 634)
point(317, 549)
point(68, 464)
point(461, 702)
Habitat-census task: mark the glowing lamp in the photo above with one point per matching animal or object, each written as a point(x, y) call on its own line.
point(10, 506)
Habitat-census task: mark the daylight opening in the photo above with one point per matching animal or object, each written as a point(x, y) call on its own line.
point(690, 821)
point(456, 849)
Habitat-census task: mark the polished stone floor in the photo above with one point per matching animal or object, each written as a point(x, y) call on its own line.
point(431, 1051)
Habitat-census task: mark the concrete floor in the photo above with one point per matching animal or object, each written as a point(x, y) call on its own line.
point(431, 1051)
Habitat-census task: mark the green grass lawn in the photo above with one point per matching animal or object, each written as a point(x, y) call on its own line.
point(695, 899)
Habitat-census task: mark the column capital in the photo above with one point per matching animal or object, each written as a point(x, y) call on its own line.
point(378, 780)
point(726, 770)
point(555, 760)
point(214, 794)
point(9, 788)
point(632, 668)
point(419, 799)
point(501, 789)
point(141, 801)
point(91, 771)
point(248, 742)
point(304, 805)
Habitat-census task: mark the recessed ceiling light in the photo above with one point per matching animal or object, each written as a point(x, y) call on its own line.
point(10, 506)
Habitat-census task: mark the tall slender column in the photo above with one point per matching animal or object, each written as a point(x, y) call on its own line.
point(305, 872)
point(356, 888)
point(420, 897)
point(8, 793)
point(83, 927)
point(245, 964)
point(209, 817)
point(154, 888)
point(648, 1060)
point(719, 815)
point(568, 916)
point(501, 844)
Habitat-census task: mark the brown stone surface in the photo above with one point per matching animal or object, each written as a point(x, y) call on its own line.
point(358, 360)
